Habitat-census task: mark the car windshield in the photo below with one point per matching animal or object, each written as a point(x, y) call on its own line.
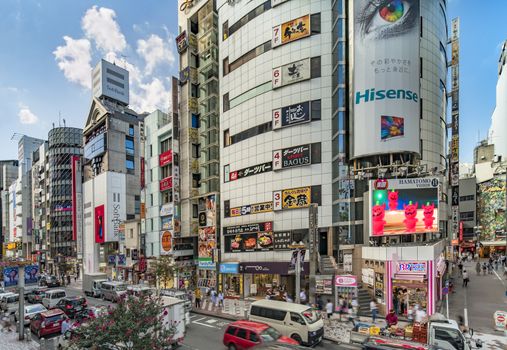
point(270, 334)
point(54, 318)
point(39, 292)
point(35, 308)
point(121, 287)
point(311, 316)
point(77, 302)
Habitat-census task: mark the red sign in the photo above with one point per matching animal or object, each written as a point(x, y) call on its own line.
point(165, 158)
point(143, 182)
point(381, 184)
point(100, 233)
point(166, 184)
point(461, 231)
point(75, 159)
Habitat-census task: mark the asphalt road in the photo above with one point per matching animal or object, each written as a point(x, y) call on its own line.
point(206, 333)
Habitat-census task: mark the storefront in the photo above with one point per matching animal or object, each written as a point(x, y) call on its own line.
point(230, 282)
point(345, 287)
point(411, 283)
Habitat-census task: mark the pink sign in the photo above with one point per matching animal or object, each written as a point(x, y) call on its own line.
point(345, 281)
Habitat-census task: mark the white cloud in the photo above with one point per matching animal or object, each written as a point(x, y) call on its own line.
point(134, 72)
point(154, 51)
point(100, 26)
point(150, 96)
point(26, 116)
point(74, 60)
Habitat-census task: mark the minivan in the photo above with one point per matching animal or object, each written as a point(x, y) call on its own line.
point(113, 290)
point(299, 322)
point(9, 303)
point(139, 290)
point(52, 297)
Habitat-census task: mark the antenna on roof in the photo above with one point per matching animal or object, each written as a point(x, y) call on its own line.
point(63, 122)
point(124, 61)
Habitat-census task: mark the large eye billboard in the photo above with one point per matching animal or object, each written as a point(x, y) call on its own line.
point(403, 206)
point(386, 96)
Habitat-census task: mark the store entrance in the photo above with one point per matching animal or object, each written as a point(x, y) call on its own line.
point(323, 243)
point(408, 294)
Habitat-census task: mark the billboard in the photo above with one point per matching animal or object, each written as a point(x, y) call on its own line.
point(31, 274)
point(386, 87)
point(245, 172)
point(207, 242)
point(293, 198)
point(100, 234)
point(403, 206)
point(291, 115)
point(182, 42)
point(291, 73)
point(249, 238)
point(11, 276)
point(292, 157)
point(257, 208)
point(166, 242)
point(77, 205)
point(290, 31)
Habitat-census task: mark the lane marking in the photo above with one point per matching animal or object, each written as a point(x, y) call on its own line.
point(204, 324)
point(466, 317)
point(211, 320)
point(199, 319)
point(501, 280)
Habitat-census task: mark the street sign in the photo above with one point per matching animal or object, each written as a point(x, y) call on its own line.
point(500, 320)
point(313, 225)
point(445, 291)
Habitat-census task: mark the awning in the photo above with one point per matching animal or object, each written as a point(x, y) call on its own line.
point(494, 243)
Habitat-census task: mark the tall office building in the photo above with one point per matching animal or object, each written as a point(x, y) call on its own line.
point(498, 130)
point(8, 173)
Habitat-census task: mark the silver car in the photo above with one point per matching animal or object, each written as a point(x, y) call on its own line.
point(30, 312)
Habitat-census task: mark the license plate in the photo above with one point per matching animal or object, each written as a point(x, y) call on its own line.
point(55, 324)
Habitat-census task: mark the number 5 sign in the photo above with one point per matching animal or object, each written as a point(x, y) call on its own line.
point(276, 40)
point(277, 118)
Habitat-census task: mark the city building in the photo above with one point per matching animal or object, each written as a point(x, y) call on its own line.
point(467, 212)
point(111, 171)
point(498, 129)
point(8, 174)
point(40, 205)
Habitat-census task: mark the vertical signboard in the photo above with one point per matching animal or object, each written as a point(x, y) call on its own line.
point(77, 205)
point(454, 169)
point(386, 91)
point(99, 224)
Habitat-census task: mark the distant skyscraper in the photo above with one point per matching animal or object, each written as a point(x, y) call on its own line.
point(498, 131)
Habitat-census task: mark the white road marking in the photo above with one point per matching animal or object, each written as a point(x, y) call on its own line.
point(466, 317)
point(204, 324)
point(501, 280)
point(211, 320)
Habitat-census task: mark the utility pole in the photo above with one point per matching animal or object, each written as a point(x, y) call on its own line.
point(313, 227)
point(21, 285)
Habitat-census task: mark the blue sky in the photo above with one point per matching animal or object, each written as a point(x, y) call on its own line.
point(40, 77)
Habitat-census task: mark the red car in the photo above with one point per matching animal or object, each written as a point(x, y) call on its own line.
point(242, 335)
point(48, 322)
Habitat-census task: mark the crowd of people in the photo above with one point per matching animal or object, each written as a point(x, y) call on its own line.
point(496, 262)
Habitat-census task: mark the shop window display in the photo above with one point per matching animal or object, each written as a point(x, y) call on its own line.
point(407, 294)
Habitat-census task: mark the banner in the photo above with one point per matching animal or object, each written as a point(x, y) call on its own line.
point(249, 242)
point(11, 276)
point(403, 206)
point(207, 242)
point(165, 158)
point(290, 31)
point(182, 42)
point(256, 227)
point(264, 207)
point(245, 172)
point(292, 157)
point(291, 115)
point(31, 274)
point(291, 73)
point(166, 242)
point(386, 88)
point(100, 233)
point(294, 198)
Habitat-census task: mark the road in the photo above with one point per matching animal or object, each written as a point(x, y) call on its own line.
point(205, 333)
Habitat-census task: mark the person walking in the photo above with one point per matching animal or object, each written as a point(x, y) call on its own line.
point(329, 309)
point(302, 297)
point(374, 310)
point(465, 278)
point(460, 267)
point(221, 299)
point(484, 268)
point(478, 268)
point(213, 294)
point(197, 298)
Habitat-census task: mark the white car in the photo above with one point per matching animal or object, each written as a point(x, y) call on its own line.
point(30, 311)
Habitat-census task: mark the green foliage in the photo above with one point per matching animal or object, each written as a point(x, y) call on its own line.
point(164, 269)
point(134, 324)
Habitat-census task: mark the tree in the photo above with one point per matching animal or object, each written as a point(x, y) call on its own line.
point(164, 269)
point(136, 323)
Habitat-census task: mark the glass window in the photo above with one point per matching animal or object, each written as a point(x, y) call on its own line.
point(195, 121)
point(340, 27)
point(341, 97)
point(196, 150)
point(316, 110)
point(195, 211)
point(341, 52)
point(131, 130)
point(231, 330)
point(341, 74)
point(129, 146)
point(241, 333)
point(129, 164)
point(341, 143)
point(315, 67)
point(315, 23)
point(254, 337)
point(294, 317)
point(341, 120)
point(164, 146)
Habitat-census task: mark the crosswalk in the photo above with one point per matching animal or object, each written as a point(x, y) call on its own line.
point(231, 307)
point(208, 322)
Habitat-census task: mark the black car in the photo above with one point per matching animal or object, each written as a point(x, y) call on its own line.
point(49, 281)
point(72, 305)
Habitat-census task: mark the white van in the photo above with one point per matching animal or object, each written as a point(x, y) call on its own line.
point(52, 297)
point(296, 321)
point(139, 290)
point(113, 290)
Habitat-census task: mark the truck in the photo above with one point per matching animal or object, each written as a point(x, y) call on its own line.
point(441, 333)
point(92, 282)
point(176, 315)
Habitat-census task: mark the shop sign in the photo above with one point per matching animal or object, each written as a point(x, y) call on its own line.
point(249, 242)
point(143, 211)
point(368, 275)
point(294, 198)
point(122, 259)
point(111, 259)
point(324, 285)
point(167, 209)
point(292, 157)
point(345, 281)
point(135, 254)
point(165, 158)
point(500, 320)
point(379, 285)
point(281, 268)
point(166, 184)
point(248, 171)
point(184, 75)
point(291, 115)
point(257, 208)
point(182, 42)
point(291, 73)
point(248, 228)
point(290, 31)
point(166, 243)
point(229, 268)
point(282, 240)
point(347, 262)
point(206, 264)
point(412, 267)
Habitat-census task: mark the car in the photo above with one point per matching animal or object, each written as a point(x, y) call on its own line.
point(48, 322)
point(52, 281)
point(72, 305)
point(30, 312)
point(52, 297)
point(180, 294)
point(241, 335)
point(9, 303)
point(36, 295)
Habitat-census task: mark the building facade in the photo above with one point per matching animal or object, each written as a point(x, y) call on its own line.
point(8, 174)
point(498, 133)
point(468, 209)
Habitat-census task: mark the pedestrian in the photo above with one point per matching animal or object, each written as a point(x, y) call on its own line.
point(221, 299)
point(490, 268)
point(66, 324)
point(484, 268)
point(355, 304)
point(465, 278)
point(391, 318)
point(505, 271)
point(68, 279)
point(197, 298)
point(302, 297)
point(320, 303)
point(329, 309)
point(75, 277)
point(410, 314)
point(374, 310)
point(351, 315)
point(460, 267)
point(213, 295)
point(478, 268)
point(396, 302)
point(496, 265)
point(420, 315)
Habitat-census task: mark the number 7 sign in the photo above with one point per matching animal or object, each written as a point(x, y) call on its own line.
point(276, 40)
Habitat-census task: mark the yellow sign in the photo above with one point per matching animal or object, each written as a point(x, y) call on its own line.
point(296, 198)
point(48, 226)
point(11, 246)
point(264, 207)
point(296, 29)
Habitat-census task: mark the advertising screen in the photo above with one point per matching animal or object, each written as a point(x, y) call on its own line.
point(100, 233)
point(386, 86)
point(403, 206)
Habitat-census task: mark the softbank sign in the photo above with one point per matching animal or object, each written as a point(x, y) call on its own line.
point(386, 78)
point(391, 94)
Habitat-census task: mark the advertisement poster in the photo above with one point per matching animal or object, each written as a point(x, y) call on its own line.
point(249, 238)
point(210, 210)
point(182, 42)
point(291, 115)
point(166, 184)
point(99, 224)
point(246, 228)
point(167, 223)
point(166, 242)
point(296, 198)
point(31, 274)
point(291, 73)
point(294, 259)
point(386, 90)
point(248, 209)
point(292, 30)
point(403, 206)
point(292, 157)
point(165, 158)
point(282, 240)
point(11, 276)
point(207, 242)
point(248, 171)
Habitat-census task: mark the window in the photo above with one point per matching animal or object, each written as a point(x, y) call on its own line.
point(247, 95)
point(196, 150)
point(420, 67)
point(165, 171)
point(257, 51)
point(268, 313)
point(254, 337)
point(467, 198)
point(129, 164)
point(316, 152)
point(315, 23)
point(151, 199)
point(194, 90)
point(151, 224)
point(164, 146)
point(296, 318)
point(315, 109)
point(421, 108)
point(129, 145)
point(167, 197)
point(451, 336)
point(131, 130)
point(225, 66)
point(151, 150)
point(231, 330)
point(151, 174)
point(256, 130)
point(195, 211)
point(315, 67)
point(466, 216)
point(248, 17)
point(114, 82)
point(225, 30)
point(112, 72)
point(131, 231)
point(196, 180)
point(241, 333)
point(226, 104)
point(196, 121)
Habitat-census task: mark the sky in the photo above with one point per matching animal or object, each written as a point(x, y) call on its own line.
point(48, 48)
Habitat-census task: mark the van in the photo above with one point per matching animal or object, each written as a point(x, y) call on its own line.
point(295, 321)
point(139, 290)
point(52, 297)
point(9, 303)
point(113, 290)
